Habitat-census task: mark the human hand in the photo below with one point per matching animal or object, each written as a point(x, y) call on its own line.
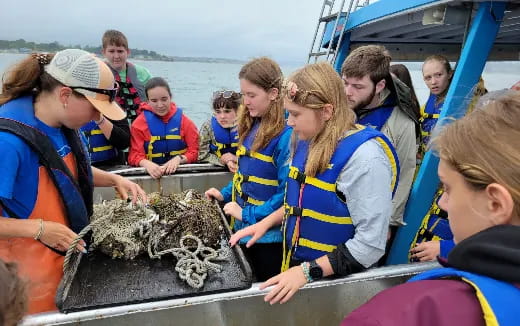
point(213, 193)
point(59, 237)
point(172, 165)
point(232, 166)
point(230, 161)
point(256, 231)
point(123, 186)
point(154, 170)
point(234, 210)
point(426, 251)
point(226, 157)
point(286, 284)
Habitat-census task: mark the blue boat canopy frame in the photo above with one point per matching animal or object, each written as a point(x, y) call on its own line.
point(469, 32)
point(403, 27)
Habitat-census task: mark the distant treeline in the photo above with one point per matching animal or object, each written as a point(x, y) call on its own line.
point(23, 46)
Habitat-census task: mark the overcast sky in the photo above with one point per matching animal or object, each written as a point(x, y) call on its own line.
point(282, 29)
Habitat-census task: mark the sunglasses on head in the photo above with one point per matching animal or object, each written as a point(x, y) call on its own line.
point(219, 111)
point(110, 92)
point(225, 94)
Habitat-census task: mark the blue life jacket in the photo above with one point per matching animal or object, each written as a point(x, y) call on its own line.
point(495, 297)
point(97, 144)
point(429, 115)
point(434, 226)
point(257, 177)
point(17, 117)
point(226, 139)
point(324, 218)
point(377, 118)
point(165, 141)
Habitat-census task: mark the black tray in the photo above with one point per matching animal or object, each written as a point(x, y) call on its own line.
point(101, 281)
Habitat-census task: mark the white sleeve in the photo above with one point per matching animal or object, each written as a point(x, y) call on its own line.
point(365, 181)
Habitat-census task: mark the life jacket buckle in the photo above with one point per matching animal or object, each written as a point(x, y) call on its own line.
point(296, 211)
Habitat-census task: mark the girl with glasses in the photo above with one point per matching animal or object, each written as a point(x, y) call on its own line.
point(218, 140)
point(338, 199)
point(47, 182)
point(162, 136)
point(258, 185)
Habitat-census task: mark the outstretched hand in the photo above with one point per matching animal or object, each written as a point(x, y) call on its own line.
point(256, 231)
point(285, 284)
point(213, 193)
point(124, 186)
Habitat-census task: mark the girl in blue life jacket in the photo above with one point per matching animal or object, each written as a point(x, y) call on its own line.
point(162, 136)
point(218, 137)
point(258, 185)
point(480, 283)
point(338, 199)
point(434, 237)
point(47, 181)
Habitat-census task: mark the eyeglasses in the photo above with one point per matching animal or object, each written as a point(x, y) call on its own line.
point(225, 94)
point(110, 92)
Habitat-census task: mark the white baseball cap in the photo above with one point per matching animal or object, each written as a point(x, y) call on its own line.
point(86, 74)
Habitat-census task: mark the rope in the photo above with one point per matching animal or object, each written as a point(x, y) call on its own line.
point(190, 268)
point(193, 262)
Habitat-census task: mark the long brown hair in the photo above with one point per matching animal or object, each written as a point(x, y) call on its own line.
point(13, 297)
point(266, 74)
point(484, 146)
point(27, 77)
point(402, 72)
point(318, 84)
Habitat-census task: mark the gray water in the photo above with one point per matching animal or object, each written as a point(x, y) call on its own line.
point(193, 83)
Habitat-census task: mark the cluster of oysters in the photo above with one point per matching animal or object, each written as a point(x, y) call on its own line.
point(124, 230)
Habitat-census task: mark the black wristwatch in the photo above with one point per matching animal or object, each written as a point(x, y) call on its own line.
point(315, 270)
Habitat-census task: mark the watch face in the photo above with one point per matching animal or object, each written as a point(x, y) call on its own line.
point(316, 272)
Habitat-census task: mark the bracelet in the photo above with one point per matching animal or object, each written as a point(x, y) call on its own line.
point(306, 272)
point(100, 121)
point(40, 231)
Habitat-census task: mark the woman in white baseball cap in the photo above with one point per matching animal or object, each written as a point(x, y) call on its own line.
point(47, 181)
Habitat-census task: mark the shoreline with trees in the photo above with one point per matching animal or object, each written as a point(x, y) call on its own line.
point(23, 46)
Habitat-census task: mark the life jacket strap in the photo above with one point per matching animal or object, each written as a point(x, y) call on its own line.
point(305, 212)
point(100, 148)
point(316, 245)
point(242, 151)
point(301, 178)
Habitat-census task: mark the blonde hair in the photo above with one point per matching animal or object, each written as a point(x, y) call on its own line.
point(266, 74)
point(319, 84)
point(484, 146)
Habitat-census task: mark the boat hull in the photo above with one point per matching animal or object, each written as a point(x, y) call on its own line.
point(321, 303)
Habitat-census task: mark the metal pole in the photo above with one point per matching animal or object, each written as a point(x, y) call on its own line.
point(473, 57)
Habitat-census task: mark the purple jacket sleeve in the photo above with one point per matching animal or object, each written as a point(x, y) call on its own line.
point(425, 303)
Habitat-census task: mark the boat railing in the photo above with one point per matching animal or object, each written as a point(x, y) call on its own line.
point(330, 12)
